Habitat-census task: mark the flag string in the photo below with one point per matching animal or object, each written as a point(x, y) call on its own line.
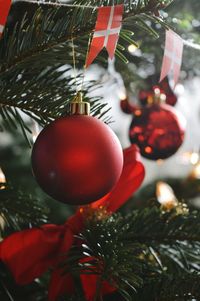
point(191, 44)
point(58, 3)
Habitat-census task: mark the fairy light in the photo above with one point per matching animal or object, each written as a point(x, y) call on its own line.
point(2, 223)
point(2, 187)
point(162, 97)
point(2, 179)
point(132, 48)
point(160, 162)
point(190, 158)
point(35, 130)
point(165, 195)
point(195, 173)
point(194, 158)
point(122, 95)
point(157, 91)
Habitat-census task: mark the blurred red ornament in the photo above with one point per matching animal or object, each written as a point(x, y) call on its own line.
point(171, 100)
point(126, 107)
point(145, 96)
point(164, 87)
point(158, 130)
point(77, 159)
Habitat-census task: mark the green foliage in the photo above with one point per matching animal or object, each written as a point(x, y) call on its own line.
point(35, 48)
point(184, 189)
point(145, 249)
point(9, 291)
point(19, 210)
point(44, 98)
point(144, 253)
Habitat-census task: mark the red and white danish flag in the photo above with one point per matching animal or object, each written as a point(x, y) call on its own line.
point(107, 29)
point(4, 11)
point(173, 53)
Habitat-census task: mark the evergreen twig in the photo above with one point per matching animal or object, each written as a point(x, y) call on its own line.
point(166, 247)
point(15, 209)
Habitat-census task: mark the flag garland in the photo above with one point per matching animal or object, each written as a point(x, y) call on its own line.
point(107, 29)
point(173, 53)
point(106, 34)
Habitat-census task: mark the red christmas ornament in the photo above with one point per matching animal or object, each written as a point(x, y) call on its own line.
point(145, 96)
point(164, 87)
point(126, 107)
point(30, 253)
point(77, 159)
point(158, 130)
point(171, 98)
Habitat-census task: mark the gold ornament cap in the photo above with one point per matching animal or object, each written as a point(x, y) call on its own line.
point(78, 107)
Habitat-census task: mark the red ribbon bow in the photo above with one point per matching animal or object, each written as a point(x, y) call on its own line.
point(30, 253)
point(4, 11)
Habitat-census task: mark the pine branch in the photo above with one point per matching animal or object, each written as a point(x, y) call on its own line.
point(18, 209)
point(32, 53)
point(166, 227)
point(45, 97)
point(129, 256)
point(168, 288)
point(10, 291)
point(180, 289)
point(47, 33)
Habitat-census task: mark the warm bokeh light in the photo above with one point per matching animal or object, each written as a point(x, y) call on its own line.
point(132, 48)
point(137, 112)
point(35, 130)
point(122, 95)
point(190, 157)
point(194, 158)
point(165, 195)
point(195, 173)
point(148, 150)
point(160, 162)
point(2, 179)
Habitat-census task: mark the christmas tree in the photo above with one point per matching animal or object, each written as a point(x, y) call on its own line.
point(82, 228)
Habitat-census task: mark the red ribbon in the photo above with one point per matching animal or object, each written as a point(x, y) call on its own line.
point(30, 253)
point(4, 11)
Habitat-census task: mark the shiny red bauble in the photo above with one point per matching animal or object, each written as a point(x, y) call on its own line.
point(77, 159)
point(158, 130)
point(171, 98)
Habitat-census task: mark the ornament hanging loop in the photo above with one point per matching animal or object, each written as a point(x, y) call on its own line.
point(77, 106)
point(74, 63)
